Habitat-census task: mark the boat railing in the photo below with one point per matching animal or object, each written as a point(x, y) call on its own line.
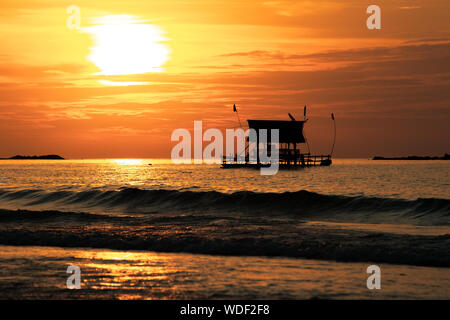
point(291, 158)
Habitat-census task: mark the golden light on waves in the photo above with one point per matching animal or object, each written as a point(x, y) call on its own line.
point(128, 162)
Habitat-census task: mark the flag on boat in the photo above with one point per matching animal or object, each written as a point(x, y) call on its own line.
point(234, 108)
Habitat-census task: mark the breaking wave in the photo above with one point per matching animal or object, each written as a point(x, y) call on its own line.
point(208, 235)
point(240, 223)
point(303, 204)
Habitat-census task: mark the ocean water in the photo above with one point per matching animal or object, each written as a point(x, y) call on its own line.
point(186, 231)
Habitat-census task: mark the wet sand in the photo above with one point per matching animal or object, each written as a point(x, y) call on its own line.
point(40, 273)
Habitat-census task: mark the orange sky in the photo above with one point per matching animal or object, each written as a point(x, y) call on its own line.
point(137, 70)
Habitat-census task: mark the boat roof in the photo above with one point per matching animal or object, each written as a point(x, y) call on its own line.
point(289, 131)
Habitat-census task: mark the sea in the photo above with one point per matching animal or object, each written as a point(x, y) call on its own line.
point(151, 229)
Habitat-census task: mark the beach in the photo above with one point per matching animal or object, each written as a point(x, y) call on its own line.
point(40, 273)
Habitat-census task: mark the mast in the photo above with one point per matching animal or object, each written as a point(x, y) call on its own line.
point(334, 138)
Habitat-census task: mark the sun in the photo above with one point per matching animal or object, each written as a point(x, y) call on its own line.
point(124, 45)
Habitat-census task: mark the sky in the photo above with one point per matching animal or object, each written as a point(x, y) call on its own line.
point(134, 71)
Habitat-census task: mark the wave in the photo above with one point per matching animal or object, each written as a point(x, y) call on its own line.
point(220, 236)
point(29, 216)
point(241, 223)
point(304, 204)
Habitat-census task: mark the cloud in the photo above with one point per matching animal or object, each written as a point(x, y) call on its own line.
point(410, 7)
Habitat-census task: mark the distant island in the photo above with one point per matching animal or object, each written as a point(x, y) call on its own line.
point(444, 157)
point(46, 157)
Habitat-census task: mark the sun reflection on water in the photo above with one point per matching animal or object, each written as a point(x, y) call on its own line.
point(129, 162)
point(126, 273)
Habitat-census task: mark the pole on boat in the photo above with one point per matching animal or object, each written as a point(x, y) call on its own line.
point(240, 125)
point(334, 138)
point(304, 119)
point(237, 113)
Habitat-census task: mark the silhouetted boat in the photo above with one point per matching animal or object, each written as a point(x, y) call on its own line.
point(291, 137)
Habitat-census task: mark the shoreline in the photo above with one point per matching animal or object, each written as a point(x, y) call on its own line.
point(444, 157)
point(130, 274)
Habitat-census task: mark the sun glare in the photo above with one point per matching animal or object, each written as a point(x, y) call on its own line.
point(126, 45)
point(128, 162)
point(123, 83)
